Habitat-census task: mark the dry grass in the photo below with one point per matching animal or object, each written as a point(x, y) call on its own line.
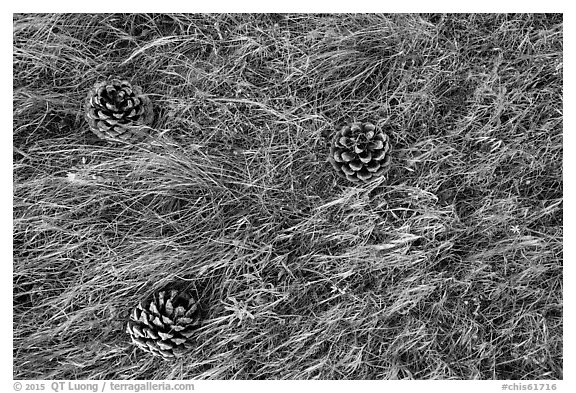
point(451, 269)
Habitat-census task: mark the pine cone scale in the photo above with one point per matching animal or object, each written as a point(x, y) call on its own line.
point(347, 170)
point(373, 166)
point(365, 157)
point(380, 155)
point(355, 165)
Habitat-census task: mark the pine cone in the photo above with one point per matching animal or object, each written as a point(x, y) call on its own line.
point(117, 110)
point(359, 152)
point(163, 325)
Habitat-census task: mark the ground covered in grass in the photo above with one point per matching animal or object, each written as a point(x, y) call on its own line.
point(451, 268)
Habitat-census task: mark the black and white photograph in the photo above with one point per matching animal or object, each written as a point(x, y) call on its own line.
point(287, 196)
